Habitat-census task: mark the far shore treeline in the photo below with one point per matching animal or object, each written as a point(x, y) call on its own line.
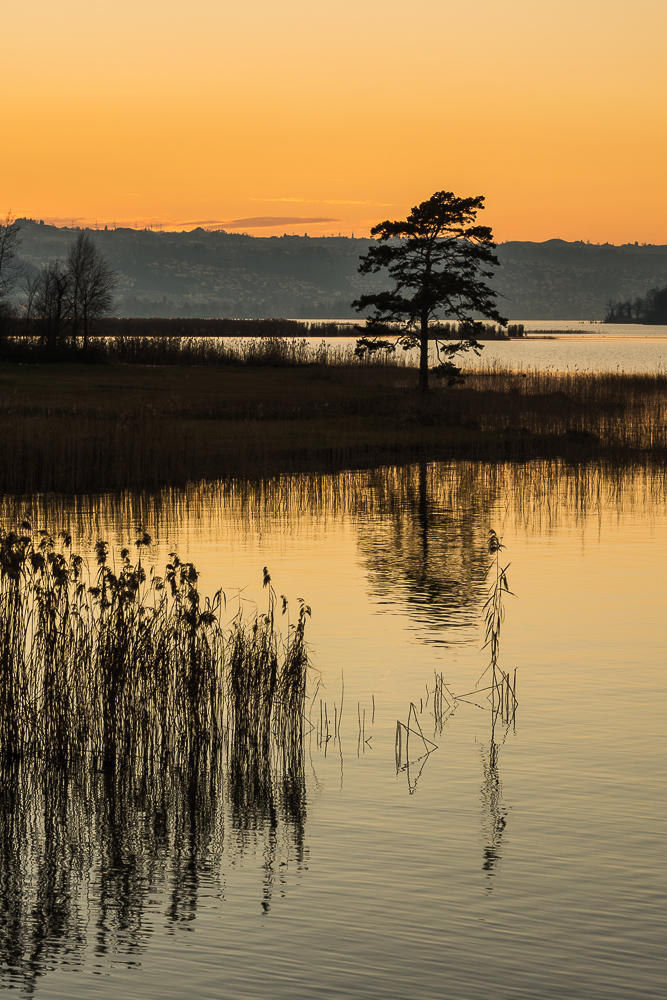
point(123, 327)
point(652, 309)
point(214, 273)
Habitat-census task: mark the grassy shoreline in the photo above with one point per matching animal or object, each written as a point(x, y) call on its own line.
point(75, 427)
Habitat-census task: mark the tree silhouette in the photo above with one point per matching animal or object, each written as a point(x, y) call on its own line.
point(64, 297)
point(92, 282)
point(651, 310)
point(49, 301)
point(9, 266)
point(438, 259)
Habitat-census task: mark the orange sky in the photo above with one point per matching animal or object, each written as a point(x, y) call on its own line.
point(142, 112)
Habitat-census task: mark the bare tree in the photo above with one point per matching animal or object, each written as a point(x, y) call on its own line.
point(30, 287)
point(10, 242)
point(50, 300)
point(91, 285)
point(9, 267)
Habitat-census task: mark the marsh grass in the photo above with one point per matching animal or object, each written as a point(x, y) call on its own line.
point(252, 352)
point(125, 662)
point(259, 351)
point(76, 427)
point(502, 688)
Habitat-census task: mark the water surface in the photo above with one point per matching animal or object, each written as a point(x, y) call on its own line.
point(523, 857)
point(564, 345)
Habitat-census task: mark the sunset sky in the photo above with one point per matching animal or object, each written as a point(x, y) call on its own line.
point(302, 116)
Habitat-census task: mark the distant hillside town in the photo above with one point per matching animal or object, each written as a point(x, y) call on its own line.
point(208, 274)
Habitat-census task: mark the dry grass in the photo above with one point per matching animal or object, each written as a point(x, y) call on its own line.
point(74, 427)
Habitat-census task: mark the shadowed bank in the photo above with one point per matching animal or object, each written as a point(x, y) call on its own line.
point(69, 428)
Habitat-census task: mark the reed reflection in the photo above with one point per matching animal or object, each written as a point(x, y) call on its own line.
point(527, 490)
point(93, 860)
point(494, 812)
point(421, 528)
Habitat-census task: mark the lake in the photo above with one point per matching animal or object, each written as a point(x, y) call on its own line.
point(520, 854)
point(562, 345)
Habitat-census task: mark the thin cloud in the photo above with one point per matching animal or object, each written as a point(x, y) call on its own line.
point(202, 222)
point(265, 221)
point(176, 225)
point(325, 201)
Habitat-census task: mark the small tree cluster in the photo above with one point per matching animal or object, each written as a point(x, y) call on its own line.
point(66, 296)
point(652, 309)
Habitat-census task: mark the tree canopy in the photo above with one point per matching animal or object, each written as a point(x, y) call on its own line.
point(92, 283)
point(438, 259)
point(651, 309)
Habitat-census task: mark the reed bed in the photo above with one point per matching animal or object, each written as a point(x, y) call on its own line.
point(273, 351)
point(615, 411)
point(128, 663)
point(77, 427)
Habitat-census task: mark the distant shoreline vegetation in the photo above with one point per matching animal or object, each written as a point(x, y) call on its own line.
point(651, 310)
point(120, 326)
point(212, 342)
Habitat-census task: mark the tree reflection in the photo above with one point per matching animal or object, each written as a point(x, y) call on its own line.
point(425, 547)
point(139, 838)
point(540, 495)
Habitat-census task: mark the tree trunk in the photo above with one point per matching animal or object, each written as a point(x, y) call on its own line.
point(423, 354)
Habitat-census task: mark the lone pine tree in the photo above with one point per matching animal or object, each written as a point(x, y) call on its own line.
point(439, 260)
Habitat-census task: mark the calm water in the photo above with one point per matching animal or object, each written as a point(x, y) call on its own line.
point(514, 860)
point(569, 346)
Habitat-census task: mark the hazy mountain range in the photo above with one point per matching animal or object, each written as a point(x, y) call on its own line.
point(219, 274)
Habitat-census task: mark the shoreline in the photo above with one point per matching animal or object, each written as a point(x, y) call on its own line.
point(73, 428)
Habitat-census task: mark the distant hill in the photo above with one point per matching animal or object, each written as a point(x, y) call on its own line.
point(209, 274)
point(559, 280)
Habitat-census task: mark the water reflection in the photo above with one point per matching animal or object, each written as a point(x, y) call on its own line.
point(420, 529)
point(94, 863)
point(494, 812)
point(412, 760)
point(428, 551)
point(91, 860)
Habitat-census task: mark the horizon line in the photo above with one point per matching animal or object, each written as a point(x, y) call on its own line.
point(77, 225)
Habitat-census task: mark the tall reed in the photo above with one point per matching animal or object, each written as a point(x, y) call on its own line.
point(130, 662)
point(265, 351)
point(502, 689)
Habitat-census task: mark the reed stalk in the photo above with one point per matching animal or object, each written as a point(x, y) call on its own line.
point(124, 662)
point(502, 691)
